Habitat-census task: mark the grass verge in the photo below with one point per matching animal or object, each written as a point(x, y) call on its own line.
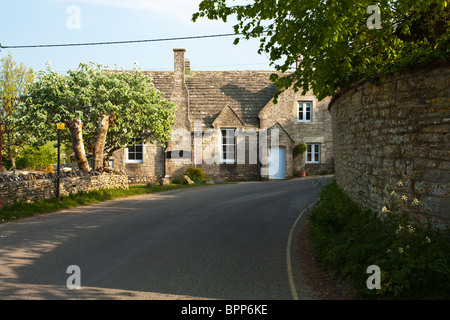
point(23, 209)
point(413, 256)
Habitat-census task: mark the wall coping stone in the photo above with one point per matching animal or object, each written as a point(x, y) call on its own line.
point(376, 79)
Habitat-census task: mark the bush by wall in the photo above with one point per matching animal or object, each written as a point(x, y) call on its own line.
point(413, 255)
point(196, 174)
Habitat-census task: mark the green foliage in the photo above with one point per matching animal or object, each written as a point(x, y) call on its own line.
point(333, 39)
point(37, 157)
point(300, 149)
point(135, 108)
point(413, 255)
point(176, 180)
point(196, 174)
point(15, 80)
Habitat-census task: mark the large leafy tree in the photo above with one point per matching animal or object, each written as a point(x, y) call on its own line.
point(15, 80)
point(334, 40)
point(103, 110)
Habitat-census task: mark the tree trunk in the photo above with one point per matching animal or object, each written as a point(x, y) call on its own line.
point(76, 134)
point(9, 147)
point(13, 161)
point(11, 158)
point(100, 141)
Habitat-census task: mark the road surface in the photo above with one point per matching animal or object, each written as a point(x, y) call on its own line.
point(227, 241)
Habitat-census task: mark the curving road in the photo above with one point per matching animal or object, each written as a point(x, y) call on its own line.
point(226, 241)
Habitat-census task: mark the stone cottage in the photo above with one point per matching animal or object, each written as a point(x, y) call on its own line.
point(228, 125)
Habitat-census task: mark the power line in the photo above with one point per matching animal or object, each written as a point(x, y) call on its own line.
point(114, 42)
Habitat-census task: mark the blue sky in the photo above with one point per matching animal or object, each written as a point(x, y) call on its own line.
point(31, 22)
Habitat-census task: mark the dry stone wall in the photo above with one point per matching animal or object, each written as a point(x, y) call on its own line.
point(396, 130)
point(32, 187)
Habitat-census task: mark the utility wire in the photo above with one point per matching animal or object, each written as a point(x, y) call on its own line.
point(115, 42)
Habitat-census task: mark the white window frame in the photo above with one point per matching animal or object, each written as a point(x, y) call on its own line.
point(228, 146)
point(313, 149)
point(128, 151)
point(302, 109)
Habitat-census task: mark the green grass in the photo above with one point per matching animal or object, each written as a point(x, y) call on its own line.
point(23, 209)
point(413, 256)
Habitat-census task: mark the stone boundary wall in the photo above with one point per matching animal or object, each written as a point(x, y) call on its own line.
point(396, 130)
point(34, 186)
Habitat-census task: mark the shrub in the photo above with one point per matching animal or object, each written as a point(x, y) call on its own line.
point(413, 255)
point(196, 174)
point(37, 157)
point(299, 149)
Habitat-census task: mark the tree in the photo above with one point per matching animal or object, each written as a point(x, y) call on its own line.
point(335, 41)
point(14, 81)
point(103, 110)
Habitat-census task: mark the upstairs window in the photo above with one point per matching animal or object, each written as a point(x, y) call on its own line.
point(304, 111)
point(136, 150)
point(228, 147)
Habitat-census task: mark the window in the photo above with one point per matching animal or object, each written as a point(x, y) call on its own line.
point(135, 150)
point(313, 153)
point(304, 111)
point(228, 146)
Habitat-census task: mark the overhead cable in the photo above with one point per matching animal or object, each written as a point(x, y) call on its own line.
point(114, 42)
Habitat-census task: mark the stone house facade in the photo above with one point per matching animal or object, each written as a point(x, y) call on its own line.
point(228, 125)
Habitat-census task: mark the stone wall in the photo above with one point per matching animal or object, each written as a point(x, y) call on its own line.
point(33, 186)
point(396, 130)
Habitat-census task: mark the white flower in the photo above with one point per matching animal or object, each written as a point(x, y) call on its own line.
point(400, 183)
point(400, 249)
point(411, 229)
point(385, 209)
point(427, 239)
point(404, 198)
point(415, 202)
point(393, 193)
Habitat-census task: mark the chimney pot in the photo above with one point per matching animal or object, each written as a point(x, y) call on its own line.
point(187, 67)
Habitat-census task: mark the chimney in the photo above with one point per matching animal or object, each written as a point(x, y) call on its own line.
point(180, 93)
point(179, 66)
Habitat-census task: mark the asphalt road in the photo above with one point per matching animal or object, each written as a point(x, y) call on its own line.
point(226, 241)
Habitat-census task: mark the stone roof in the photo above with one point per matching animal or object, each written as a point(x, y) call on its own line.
point(245, 92)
